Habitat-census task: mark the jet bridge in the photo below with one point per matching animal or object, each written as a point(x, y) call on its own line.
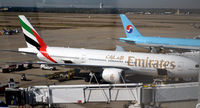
point(58, 94)
point(135, 93)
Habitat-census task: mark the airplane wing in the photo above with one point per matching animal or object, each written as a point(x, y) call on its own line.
point(167, 48)
point(71, 65)
point(16, 51)
point(90, 67)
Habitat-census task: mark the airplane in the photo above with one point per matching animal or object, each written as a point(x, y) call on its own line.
point(155, 44)
point(112, 64)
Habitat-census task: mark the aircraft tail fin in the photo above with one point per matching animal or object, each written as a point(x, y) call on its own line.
point(33, 40)
point(31, 36)
point(129, 28)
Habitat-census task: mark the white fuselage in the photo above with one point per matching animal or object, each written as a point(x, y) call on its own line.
point(138, 63)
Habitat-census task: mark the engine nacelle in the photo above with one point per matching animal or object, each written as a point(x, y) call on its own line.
point(112, 75)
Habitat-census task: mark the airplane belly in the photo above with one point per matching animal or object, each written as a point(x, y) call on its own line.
point(145, 71)
point(186, 70)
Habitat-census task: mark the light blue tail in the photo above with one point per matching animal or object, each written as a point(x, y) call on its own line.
point(129, 28)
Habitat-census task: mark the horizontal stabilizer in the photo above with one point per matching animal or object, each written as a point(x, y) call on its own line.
point(119, 48)
point(16, 51)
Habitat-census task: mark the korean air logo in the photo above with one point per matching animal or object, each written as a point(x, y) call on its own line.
point(129, 28)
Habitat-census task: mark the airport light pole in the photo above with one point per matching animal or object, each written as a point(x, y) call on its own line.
point(199, 80)
point(198, 104)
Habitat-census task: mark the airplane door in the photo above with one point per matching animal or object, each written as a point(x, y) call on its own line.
point(180, 66)
point(83, 58)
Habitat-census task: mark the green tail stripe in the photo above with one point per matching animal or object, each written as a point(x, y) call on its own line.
point(26, 27)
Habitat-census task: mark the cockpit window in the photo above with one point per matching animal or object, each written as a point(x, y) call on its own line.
point(197, 66)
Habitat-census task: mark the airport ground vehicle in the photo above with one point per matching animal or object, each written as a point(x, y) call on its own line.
point(46, 67)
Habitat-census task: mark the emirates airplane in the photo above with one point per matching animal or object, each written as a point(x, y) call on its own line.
point(111, 63)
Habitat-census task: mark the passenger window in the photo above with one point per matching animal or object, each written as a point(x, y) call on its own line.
point(197, 66)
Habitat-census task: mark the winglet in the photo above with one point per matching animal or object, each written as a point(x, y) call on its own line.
point(119, 48)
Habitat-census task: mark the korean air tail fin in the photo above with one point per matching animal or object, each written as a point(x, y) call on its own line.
point(129, 28)
point(33, 40)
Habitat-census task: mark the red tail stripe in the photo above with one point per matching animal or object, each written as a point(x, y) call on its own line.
point(45, 54)
point(43, 47)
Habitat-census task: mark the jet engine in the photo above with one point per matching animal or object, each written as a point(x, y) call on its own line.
point(112, 75)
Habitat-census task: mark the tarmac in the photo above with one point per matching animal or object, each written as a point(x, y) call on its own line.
point(94, 31)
